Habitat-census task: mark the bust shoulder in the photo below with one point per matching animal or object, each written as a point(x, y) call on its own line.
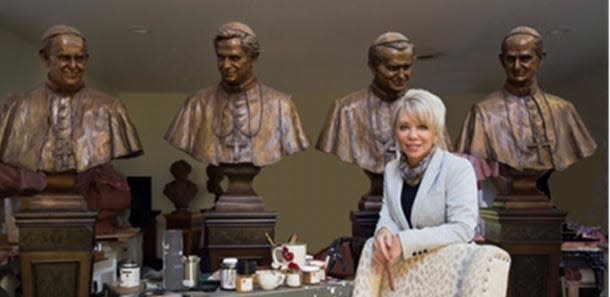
point(354, 99)
point(271, 93)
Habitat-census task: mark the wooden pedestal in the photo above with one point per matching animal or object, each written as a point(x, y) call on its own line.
point(55, 251)
point(533, 239)
point(364, 220)
point(364, 223)
point(237, 234)
point(191, 225)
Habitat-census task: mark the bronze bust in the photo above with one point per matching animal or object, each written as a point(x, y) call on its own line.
point(525, 129)
point(358, 128)
point(63, 125)
point(181, 190)
point(240, 120)
point(239, 125)
point(64, 132)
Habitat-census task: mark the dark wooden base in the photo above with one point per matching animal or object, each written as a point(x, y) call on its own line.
point(363, 223)
point(533, 239)
point(191, 225)
point(56, 251)
point(237, 234)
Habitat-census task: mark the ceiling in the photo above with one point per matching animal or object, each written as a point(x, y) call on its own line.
point(312, 45)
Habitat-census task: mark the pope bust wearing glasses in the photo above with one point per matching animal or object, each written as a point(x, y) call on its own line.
point(61, 126)
point(64, 128)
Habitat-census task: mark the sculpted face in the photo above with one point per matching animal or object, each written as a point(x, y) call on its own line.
point(234, 64)
point(414, 138)
point(66, 61)
point(394, 71)
point(520, 61)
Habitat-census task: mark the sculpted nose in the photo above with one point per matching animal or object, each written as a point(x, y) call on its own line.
point(224, 63)
point(517, 65)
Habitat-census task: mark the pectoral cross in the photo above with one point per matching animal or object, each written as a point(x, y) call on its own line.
point(538, 146)
point(236, 145)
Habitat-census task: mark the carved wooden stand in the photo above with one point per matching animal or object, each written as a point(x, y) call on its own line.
point(528, 227)
point(365, 218)
point(56, 241)
point(191, 225)
point(236, 226)
point(238, 234)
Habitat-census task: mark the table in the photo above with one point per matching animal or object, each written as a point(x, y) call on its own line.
point(327, 289)
point(591, 258)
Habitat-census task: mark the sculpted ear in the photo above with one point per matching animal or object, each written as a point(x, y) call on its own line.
point(542, 57)
point(44, 56)
point(372, 68)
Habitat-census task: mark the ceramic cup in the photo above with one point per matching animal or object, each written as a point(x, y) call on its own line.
point(293, 279)
point(269, 279)
point(298, 250)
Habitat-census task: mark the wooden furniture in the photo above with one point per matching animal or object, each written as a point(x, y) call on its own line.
point(56, 236)
point(55, 251)
point(237, 234)
point(191, 225)
point(365, 218)
point(533, 239)
point(591, 259)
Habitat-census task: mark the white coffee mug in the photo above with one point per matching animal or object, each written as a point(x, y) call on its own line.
point(298, 250)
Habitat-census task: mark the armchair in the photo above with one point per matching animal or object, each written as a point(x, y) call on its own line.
point(457, 270)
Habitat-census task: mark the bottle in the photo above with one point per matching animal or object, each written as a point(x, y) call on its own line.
point(228, 274)
point(245, 276)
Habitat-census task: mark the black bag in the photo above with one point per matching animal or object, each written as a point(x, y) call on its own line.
point(343, 254)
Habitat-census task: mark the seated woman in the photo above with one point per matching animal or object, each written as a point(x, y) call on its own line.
point(429, 197)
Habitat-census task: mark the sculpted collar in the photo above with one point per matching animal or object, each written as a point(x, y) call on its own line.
point(58, 89)
point(383, 95)
point(530, 90)
point(247, 85)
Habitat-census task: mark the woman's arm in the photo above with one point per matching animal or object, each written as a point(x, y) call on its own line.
point(461, 212)
point(385, 217)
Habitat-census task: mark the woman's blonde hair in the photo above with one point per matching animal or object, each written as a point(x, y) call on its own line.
point(425, 108)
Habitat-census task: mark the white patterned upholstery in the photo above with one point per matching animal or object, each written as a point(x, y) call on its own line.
point(457, 270)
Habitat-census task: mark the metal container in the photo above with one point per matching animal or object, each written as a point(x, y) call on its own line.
point(191, 271)
point(228, 274)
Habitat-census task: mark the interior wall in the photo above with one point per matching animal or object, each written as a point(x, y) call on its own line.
point(20, 66)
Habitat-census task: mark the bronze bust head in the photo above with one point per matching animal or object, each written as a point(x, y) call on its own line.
point(390, 61)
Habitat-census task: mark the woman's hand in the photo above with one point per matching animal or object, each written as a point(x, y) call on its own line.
point(383, 241)
point(387, 249)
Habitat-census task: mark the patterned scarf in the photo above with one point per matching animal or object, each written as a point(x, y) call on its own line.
point(413, 175)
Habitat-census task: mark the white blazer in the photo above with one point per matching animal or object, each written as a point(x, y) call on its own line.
point(445, 208)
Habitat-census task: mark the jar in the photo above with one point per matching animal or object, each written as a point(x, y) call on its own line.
point(322, 265)
point(228, 274)
point(129, 275)
point(311, 274)
point(293, 279)
point(245, 276)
